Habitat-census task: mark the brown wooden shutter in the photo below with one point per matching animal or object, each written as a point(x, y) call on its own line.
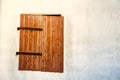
point(41, 43)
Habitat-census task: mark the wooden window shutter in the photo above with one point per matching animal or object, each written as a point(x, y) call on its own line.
point(41, 43)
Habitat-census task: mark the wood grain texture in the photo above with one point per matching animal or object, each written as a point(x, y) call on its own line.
point(49, 42)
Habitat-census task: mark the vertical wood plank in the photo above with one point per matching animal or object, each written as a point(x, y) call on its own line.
point(21, 43)
point(57, 50)
point(22, 40)
point(43, 44)
point(29, 43)
point(60, 44)
point(32, 41)
point(56, 46)
point(53, 43)
point(48, 44)
point(29, 60)
point(35, 42)
point(25, 42)
point(39, 43)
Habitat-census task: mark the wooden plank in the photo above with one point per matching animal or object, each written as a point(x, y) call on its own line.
point(28, 24)
point(41, 59)
point(56, 57)
point(29, 53)
point(26, 43)
point(28, 28)
point(61, 43)
point(35, 62)
point(22, 40)
point(54, 20)
point(31, 41)
point(39, 44)
point(48, 44)
point(21, 44)
point(44, 44)
point(56, 44)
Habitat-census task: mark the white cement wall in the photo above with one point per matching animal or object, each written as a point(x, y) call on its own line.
point(92, 39)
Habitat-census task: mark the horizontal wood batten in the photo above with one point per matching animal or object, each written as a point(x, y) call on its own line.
point(28, 28)
point(29, 53)
point(43, 14)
